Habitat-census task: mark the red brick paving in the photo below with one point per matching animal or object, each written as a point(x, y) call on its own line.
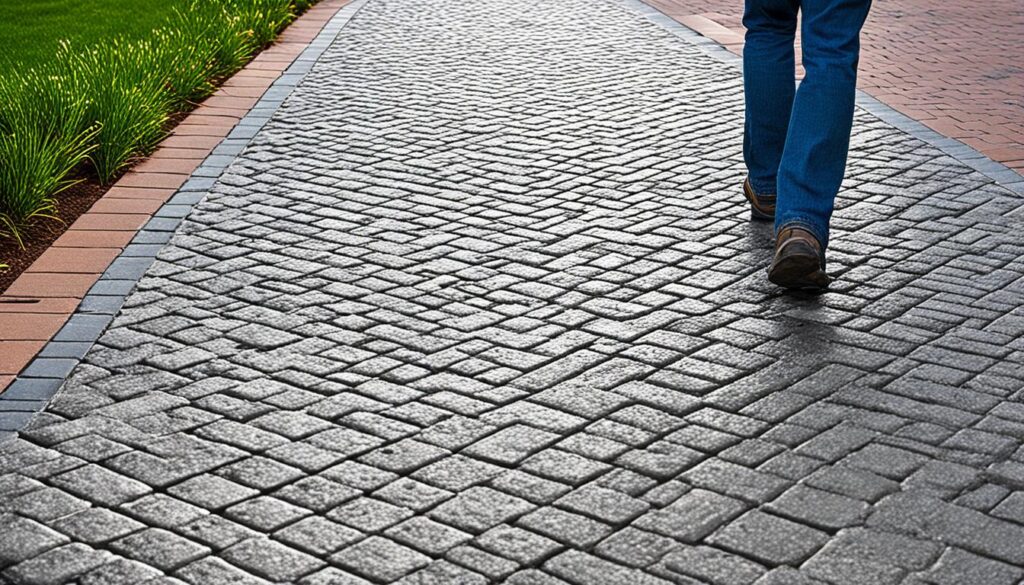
point(954, 66)
point(110, 221)
point(37, 305)
point(30, 326)
point(75, 238)
point(58, 285)
point(15, 354)
point(159, 194)
point(74, 260)
point(168, 180)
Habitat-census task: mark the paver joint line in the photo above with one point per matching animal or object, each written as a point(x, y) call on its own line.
point(478, 302)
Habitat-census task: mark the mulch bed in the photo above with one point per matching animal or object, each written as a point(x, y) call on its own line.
point(70, 204)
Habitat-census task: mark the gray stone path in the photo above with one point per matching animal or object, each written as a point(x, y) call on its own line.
point(482, 304)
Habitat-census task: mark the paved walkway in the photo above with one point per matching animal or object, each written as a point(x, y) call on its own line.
point(954, 66)
point(481, 303)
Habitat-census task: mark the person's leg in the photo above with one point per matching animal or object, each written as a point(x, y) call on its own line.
point(768, 86)
point(814, 159)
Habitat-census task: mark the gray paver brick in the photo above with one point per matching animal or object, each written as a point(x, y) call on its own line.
point(47, 504)
point(427, 536)
point(23, 539)
point(457, 473)
point(635, 548)
point(211, 492)
point(162, 511)
point(271, 560)
point(443, 572)
point(818, 508)
point(97, 525)
point(769, 539)
point(492, 566)
point(517, 544)
point(957, 566)
point(581, 568)
point(603, 504)
point(480, 508)
point(511, 445)
point(159, 548)
point(265, 513)
point(735, 480)
point(212, 570)
point(713, 565)
point(566, 527)
point(332, 576)
point(317, 493)
point(215, 531)
point(120, 571)
point(317, 535)
point(380, 559)
point(692, 516)
point(57, 565)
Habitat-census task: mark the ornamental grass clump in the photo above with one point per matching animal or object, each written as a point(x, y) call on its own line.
point(125, 95)
point(188, 56)
point(208, 46)
point(44, 135)
point(259, 21)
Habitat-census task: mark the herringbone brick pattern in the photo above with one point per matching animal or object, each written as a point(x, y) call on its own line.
point(482, 303)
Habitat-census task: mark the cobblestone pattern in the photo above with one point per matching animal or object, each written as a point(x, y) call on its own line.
point(482, 303)
point(953, 65)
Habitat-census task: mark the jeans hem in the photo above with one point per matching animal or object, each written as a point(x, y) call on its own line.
point(781, 224)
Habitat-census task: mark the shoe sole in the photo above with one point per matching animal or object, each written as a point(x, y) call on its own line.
point(799, 272)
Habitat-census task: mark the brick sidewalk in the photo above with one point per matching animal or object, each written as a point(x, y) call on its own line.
point(955, 66)
point(481, 303)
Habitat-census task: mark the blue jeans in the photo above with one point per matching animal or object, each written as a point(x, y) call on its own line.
point(795, 141)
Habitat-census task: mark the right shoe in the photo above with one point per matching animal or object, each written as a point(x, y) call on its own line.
point(762, 207)
point(799, 262)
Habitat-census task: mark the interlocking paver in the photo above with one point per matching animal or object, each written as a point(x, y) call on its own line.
point(24, 538)
point(380, 559)
point(271, 560)
point(57, 565)
point(481, 303)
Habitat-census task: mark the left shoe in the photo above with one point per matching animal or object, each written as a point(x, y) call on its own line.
point(799, 261)
point(762, 207)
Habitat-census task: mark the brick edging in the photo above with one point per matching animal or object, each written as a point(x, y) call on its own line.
point(725, 45)
point(57, 309)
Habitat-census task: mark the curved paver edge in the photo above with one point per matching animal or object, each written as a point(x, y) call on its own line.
point(47, 372)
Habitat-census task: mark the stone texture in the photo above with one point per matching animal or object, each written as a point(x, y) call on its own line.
point(481, 302)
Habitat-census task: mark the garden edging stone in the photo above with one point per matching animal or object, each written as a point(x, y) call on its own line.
point(53, 313)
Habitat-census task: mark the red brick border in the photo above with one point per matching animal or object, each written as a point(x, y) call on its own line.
point(40, 301)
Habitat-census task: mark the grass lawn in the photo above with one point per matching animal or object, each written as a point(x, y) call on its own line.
point(32, 29)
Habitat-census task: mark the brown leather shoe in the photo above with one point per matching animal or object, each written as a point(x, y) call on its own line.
point(799, 262)
point(761, 206)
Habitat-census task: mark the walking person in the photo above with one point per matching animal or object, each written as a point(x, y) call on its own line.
point(795, 141)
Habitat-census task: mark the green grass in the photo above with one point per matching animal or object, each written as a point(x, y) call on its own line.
point(32, 29)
